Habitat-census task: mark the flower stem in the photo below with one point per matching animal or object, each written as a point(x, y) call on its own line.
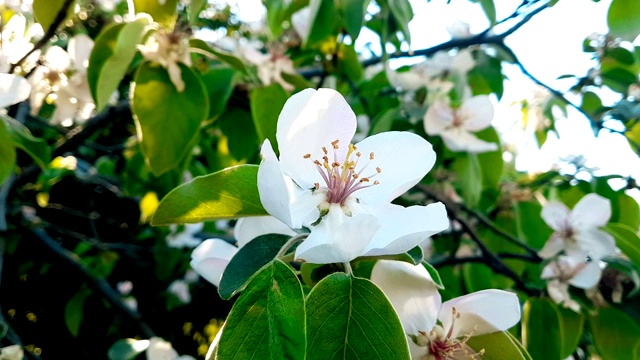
point(347, 268)
point(294, 240)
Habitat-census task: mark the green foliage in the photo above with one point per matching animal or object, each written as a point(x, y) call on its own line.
point(268, 320)
point(344, 317)
point(111, 56)
point(219, 82)
point(225, 194)
point(248, 261)
point(622, 18)
point(73, 312)
point(7, 153)
point(46, 11)
point(162, 12)
point(499, 346)
point(167, 120)
point(542, 333)
point(627, 240)
point(352, 13)
point(266, 104)
point(36, 148)
point(402, 13)
point(614, 334)
point(322, 22)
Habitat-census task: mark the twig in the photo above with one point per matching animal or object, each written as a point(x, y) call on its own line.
point(62, 14)
point(101, 286)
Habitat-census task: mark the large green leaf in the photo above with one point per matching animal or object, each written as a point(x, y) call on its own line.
point(112, 53)
point(403, 13)
point(489, 9)
point(323, 21)
point(629, 213)
point(627, 240)
point(268, 320)
point(219, 82)
point(162, 12)
point(531, 227)
point(225, 194)
point(248, 261)
point(352, 14)
point(541, 332)
point(350, 318)
point(223, 56)
point(7, 153)
point(38, 149)
point(572, 326)
point(46, 11)
point(498, 346)
point(623, 19)
point(167, 120)
point(615, 334)
point(195, 8)
point(266, 104)
point(73, 311)
point(276, 15)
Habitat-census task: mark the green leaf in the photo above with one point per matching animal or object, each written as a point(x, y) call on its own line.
point(322, 20)
point(435, 275)
point(629, 213)
point(571, 326)
point(591, 103)
point(237, 125)
point(627, 240)
point(531, 227)
point(384, 121)
point(541, 332)
point(622, 19)
point(167, 120)
point(276, 15)
point(37, 149)
point(110, 58)
point(480, 277)
point(248, 261)
point(127, 349)
point(348, 63)
point(403, 13)
point(469, 178)
point(489, 9)
point(618, 79)
point(7, 153)
point(350, 318)
point(223, 56)
point(194, 10)
point(228, 193)
point(499, 346)
point(268, 320)
point(352, 14)
point(266, 104)
point(162, 12)
point(491, 162)
point(486, 77)
point(614, 333)
point(219, 82)
point(73, 311)
point(46, 11)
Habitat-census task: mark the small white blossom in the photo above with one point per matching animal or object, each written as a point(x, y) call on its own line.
point(160, 349)
point(456, 126)
point(180, 289)
point(12, 352)
point(576, 270)
point(270, 66)
point(168, 49)
point(185, 238)
point(459, 29)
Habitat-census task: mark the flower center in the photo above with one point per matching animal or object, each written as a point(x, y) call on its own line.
point(458, 120)
point(343, 177)
point(444, 347)
point(567, 231)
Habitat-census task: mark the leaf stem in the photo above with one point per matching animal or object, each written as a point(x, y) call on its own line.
point(293, 241)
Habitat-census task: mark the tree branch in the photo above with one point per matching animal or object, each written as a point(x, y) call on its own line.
point(62, 14)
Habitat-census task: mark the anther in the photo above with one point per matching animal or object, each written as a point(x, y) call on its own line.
point(335, 142)
point(358, 154)
point(316, 185)
point(376, 182)
point(324, 149)
point(307, 156)
point(378, 170)
point(364, 180)
point(371, 156)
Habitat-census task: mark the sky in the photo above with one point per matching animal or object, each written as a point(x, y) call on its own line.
point(549, 45)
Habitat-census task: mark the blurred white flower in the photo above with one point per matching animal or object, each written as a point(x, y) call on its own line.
point(184, 238)
point(12, 352)
point(180, 289)
point(168, 49)
point(124, 287)
point(456, 126)
point(270, 66)
point(576, 270)
point(577, 231)
point(437, 330)
point(301, 22)
point(108, 5)
point(459, 29)
point(13, 89)
point(160, 349)
point(16, 42)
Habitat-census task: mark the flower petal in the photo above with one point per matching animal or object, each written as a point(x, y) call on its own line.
point(79, 48)
point(559, 292)
point(459, 139)
point(591, 211)
point(595, 242)
point(281, 197)
point(404, 159)
point(554, 245)
point(438, 118)
point(555, 214)
point(249, 228)
point(309, 121)
point(481, 312)
point(338, 238)
point(210, 259)
point(160, 349)
point(402, 229)
point(476, 112)
point(588, 277)
point(13, 89)
point(412, 293)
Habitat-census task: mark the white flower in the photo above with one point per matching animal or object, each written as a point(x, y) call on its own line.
point(456, 126)
point(301, 22)
point(437, 330)
point(12, 352)
point(162, 350)
point(124, 287)
point(341, 191)
point(212, 256)
point(16, 42)
point(168, 49)
point(459, 29)
point(184, 238)
point(270, 66)
point(180, 289)
point(577, 231)
point(576, 270)
point(13, 89)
